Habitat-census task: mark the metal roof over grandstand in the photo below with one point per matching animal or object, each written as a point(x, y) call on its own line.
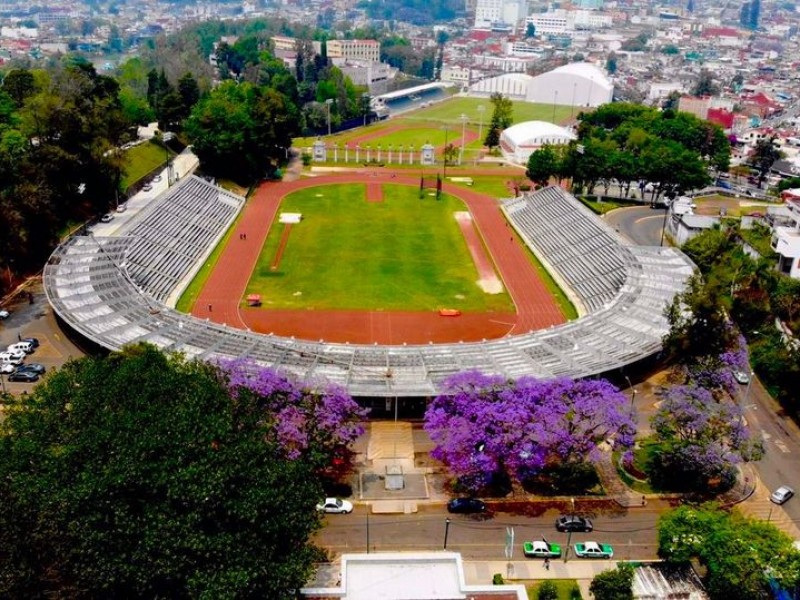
point(412, 90)
point(96, 286)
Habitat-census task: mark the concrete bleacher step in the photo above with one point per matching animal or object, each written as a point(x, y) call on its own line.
point(390, 440)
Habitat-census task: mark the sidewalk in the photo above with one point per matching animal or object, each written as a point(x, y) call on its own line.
point(582, 570)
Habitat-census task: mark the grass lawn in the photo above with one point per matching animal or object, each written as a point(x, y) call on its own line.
point(415, 137)
point(429, 121)
point(400, 254)
point(450, 111)
point(141, 160)
point(491, 185)
point(564, 586)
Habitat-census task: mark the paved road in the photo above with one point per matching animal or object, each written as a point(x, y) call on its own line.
point(477, 537)
point(780, 466)
point(640, 224)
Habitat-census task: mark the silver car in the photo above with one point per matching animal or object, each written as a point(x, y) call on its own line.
point(782, 494)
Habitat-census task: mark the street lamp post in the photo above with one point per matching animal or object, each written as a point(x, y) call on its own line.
point(328, 103)
point(667, 207)
point(481, 108)
point(463, 137)
point(444, 155)
point(167, 137)
point(446, 531)
point(555, 100)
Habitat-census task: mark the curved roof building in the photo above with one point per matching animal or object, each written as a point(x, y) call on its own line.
point(520, 140)
point(575, 84)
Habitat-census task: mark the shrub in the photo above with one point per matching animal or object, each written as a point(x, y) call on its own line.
point(497, 579)
point(547, 591)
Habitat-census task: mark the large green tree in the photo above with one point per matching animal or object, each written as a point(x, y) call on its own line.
point(543, 164)
point(740, 554)
point(502, 117)
point(614, 584)
point(242, 131)
point(143, 475)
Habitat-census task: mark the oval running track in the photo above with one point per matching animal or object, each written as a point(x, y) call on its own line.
point(221, 299)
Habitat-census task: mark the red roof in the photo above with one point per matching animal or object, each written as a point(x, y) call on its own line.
point(721, 117)
point(712, 32)
point(480, 35)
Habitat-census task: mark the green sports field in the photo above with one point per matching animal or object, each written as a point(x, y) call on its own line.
point(399, 254)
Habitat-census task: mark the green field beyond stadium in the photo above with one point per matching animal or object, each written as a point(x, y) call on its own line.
point(400, 253)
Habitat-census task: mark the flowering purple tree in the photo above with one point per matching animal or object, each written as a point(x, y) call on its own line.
point(309, 422)
point(701, 439)
point(484, 425)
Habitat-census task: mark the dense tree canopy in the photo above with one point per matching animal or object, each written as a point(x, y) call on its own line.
point(741, 554)
point(56, 164)
point(143, 475)
point(634, 145)
point(701, 440)
point(242, 131)
point(484, 426)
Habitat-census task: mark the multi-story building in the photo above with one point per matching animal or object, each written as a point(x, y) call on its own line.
point(489, 12)
point(786, 242)
point(562, 22)
point(354, 49)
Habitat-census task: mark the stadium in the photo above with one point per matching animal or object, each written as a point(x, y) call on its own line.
point(120, 289)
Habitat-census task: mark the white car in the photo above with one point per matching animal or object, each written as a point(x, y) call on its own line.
point(4, 314)
point(7, 358)
point(24, 347)
point(107, 218)
point(335, 505)
point(7, 368)
point(782, 494)
point(741, 377)
point(15, 352)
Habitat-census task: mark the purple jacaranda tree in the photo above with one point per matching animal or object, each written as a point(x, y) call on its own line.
point(715, 373)
point(701, 439)
point(484, 426)
point(310, 422)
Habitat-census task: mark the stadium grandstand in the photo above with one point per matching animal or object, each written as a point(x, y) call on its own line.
point(98, 289)
point(400, 101)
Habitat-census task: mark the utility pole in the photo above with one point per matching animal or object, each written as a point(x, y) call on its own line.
point(463, 137)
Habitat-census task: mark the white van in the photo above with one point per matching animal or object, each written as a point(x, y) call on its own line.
point(6, 358)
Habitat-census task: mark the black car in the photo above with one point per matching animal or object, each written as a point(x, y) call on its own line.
point(23, 376)
point(34, 342)
point(573, 523)
point(466, 505)
point(37, 368)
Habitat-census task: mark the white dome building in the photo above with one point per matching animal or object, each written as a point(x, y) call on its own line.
point(519, 141)
point(577, 84)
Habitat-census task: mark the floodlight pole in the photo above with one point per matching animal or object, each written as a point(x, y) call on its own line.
point(667, 206)
point(328, 103)
point(481, 108)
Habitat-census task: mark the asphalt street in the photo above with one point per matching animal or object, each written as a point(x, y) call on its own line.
point(632, 533)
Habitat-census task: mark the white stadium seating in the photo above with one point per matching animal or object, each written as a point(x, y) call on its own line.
point(113, 290)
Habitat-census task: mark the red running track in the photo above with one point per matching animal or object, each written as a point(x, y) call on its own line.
point(221, 299)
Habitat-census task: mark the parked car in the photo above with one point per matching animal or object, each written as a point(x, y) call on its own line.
point(23, 376)
point(541, 549)
point(147, 187)
point(16, 353)
point(573, 523)
point(37, 368)
point(157, 178)
point(466, 505)
point(741, 377)
point(7, 368)
point(31, 340)
point(335, 506)
point(8, 358)
point(107, 218)
point(4, 314)
point(593, 550)
point(782, 494)
point(121, 208)
point(23, 347)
